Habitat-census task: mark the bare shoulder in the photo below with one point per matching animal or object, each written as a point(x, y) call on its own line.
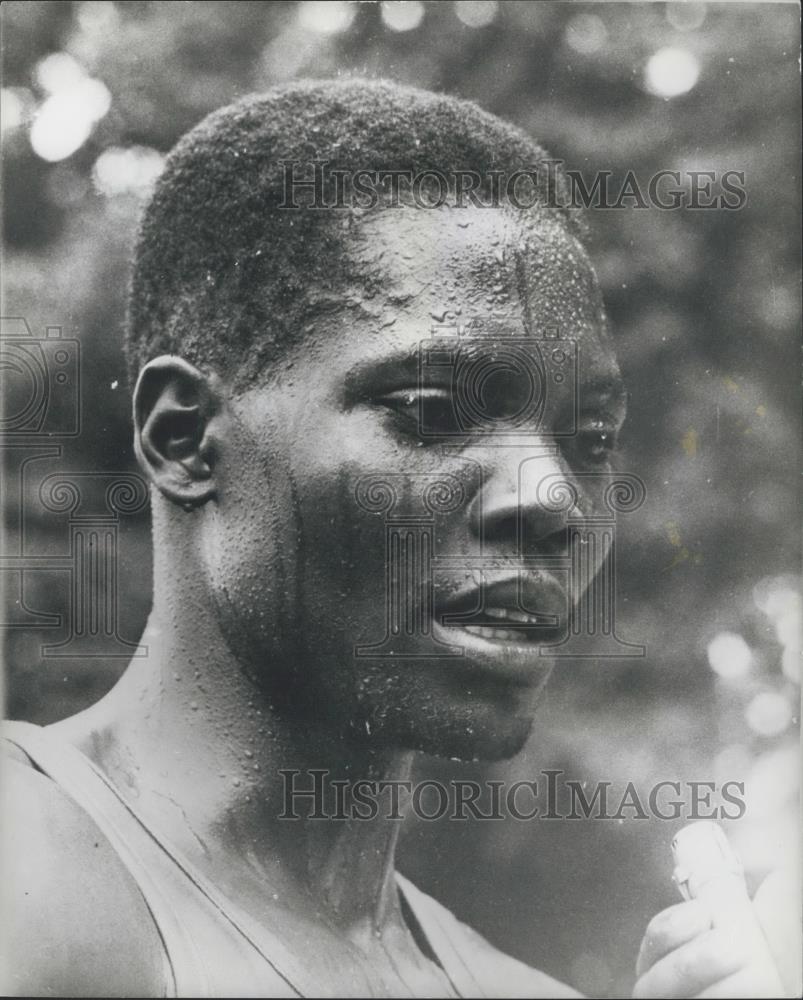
point(76, 923)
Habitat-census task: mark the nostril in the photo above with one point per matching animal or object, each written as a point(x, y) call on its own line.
point(522, 531)
point(505, 527)
point(508, 510)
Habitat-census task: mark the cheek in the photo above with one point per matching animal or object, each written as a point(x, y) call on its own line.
point(340, 547)
point(249, 554)
point(292, 554)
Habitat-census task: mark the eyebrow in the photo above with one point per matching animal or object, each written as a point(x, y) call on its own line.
point(610, 387)
point(387, 369)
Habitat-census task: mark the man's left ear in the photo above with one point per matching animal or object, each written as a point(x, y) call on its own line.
point(175, 410)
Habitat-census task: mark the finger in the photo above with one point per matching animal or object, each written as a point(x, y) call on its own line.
point(777, 905)
point(745, 984)
point(691, 968)
point(670, 929)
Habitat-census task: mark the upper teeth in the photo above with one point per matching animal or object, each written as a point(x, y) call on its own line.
point(508, 614)
point(488, 632)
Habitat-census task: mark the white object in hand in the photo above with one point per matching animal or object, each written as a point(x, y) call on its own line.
point(708, 869)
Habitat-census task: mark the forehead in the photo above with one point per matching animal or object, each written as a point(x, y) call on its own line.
point(433, 270)
point(482, 261)
point(408, 274)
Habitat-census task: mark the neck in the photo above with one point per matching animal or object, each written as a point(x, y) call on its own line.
point(197, 745)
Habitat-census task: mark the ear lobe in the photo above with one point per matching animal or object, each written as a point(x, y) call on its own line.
point(174, 405)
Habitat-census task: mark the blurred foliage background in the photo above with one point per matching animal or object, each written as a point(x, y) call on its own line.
point(705, 305)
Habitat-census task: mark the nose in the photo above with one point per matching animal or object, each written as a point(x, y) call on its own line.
point(514, 511)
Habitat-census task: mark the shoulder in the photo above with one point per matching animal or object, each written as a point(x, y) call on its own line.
point(496, 974)
point(76, 923)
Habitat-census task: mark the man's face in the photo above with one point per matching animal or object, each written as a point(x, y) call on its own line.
point(384, 553)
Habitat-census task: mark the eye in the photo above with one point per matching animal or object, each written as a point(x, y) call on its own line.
point(595, 445)
point(423, 412)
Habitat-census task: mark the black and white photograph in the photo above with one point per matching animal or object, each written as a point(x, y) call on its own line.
point(401, 451)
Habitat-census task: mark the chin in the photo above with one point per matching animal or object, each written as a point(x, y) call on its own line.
point(468, 731)
point(479, 745)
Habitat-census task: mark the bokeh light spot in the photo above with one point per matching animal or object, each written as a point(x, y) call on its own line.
point(671, 72)
point(729, 655)
point(780, 307)
point(402, 15)
point(790, 664)
point(772, 780)
point(127, 171)
point(768, 714)
point(65, 120)
point(731, 763)
point(586, 33)
point(97, 16)
point(685, 15)
point(476, 13)
point(12, 108)
point(58, 130)
point(781, 602)
point(59, 72)
point(326, 17)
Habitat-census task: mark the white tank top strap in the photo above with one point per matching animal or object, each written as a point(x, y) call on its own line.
point(201, 935)
point(441, 931)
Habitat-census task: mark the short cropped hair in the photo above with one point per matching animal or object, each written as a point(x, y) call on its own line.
point(223, 274)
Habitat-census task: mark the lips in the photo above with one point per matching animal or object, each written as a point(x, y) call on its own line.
point(526, 609)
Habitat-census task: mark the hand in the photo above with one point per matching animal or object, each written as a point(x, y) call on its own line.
point(690, 951)
point(682, 955)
